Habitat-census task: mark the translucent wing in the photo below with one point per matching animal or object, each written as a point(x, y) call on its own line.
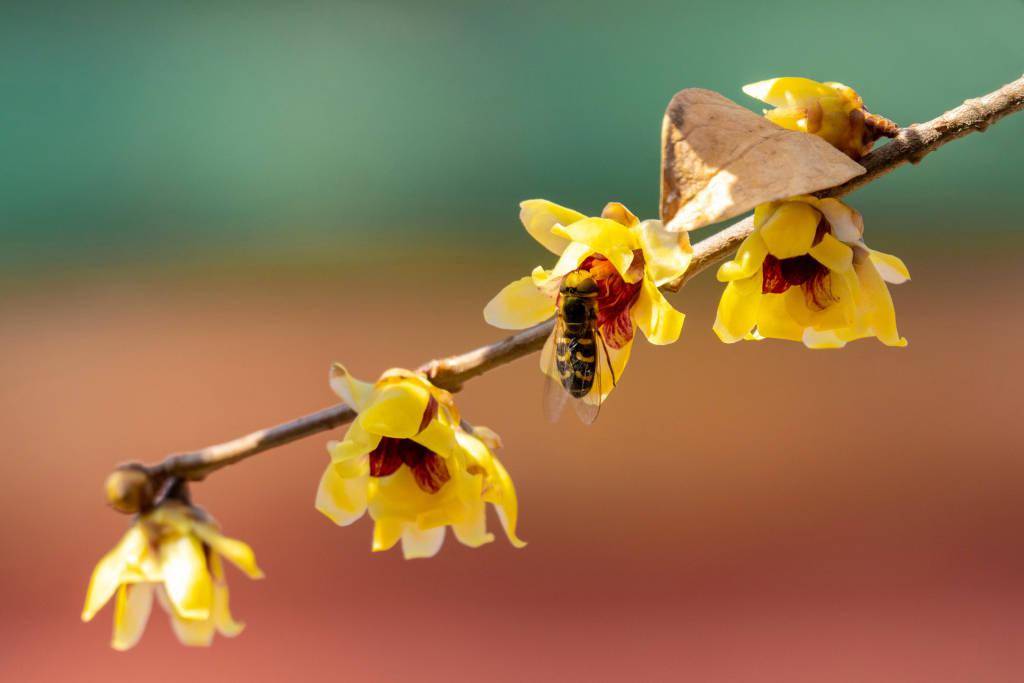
point(588, 407)
point(555, 395)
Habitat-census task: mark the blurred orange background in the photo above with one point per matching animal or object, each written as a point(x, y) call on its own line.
point(747, 512)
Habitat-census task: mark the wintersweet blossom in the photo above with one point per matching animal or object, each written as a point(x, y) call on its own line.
point(174, 551)
point(832, 111)
point(412, 463)
point(627, 259)
point(805, 274)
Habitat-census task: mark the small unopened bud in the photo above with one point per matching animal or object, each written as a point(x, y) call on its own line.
point(129, 489)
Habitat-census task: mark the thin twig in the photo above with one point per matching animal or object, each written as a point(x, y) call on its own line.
point(917, 141)
point(911, 145)
point(198, 464)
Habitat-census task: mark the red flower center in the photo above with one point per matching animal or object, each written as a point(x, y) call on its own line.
point(615, 297)
point(428, 468)
point(778, 275)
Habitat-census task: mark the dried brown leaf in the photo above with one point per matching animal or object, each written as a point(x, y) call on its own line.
point(720, 160)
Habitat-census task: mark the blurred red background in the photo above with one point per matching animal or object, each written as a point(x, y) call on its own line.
point(747, 512)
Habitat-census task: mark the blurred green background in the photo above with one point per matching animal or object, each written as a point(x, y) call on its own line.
point(216, 133)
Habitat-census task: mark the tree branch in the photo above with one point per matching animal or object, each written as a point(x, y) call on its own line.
point(912, 144)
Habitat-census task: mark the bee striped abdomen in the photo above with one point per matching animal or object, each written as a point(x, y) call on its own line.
point(577, 362)
point(576, 343)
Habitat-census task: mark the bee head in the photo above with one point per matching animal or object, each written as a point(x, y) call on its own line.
point(580, 283)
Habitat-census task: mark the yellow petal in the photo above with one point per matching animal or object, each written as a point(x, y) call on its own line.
point(548, 281)
point(520, 304)
point(819, 108)
point(237, 552)
point(606, 371)
point(110, 570)
point(539, 216)
point(843, 312)
point(791, 118)
point(172, 517)
point(738, 309)
point(774, 320)
point(891, 268)
point(667, 254)
point(847, 223)
point(185, 576)
point(397, 499)
point(882, 314)
point(790, 230)
point(472, 531)
point(353, 392)
point(796, 307)
point(420, 543)
point(507, 503)
point(764, 211)
point(134, 603)
point(190, 632)
point(341, 496)
point(839, 314)
point(612, 240)
point(221, 616)
point(748, 260)
point(386, 533)
point(438, 437)
point(357, 443)
point(833, 254)
point(488, 437)
point(655, 317)
point(396, 410)
point(618, 212)
point(193, 633)
point(822, 339)
point(787, 91)
point(478, 454)
point(497, 490)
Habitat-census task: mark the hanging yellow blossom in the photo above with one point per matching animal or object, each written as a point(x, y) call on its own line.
point(174, 551)
point(409, 460)
point(831, 111)
point(625, 258)
point(805, 274)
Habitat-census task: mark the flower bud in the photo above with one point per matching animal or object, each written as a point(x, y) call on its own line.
point(832, 111)
point(129, 489)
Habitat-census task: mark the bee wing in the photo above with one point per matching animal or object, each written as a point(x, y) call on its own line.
point(585, 410)
point(555, 395)
point(588, 407)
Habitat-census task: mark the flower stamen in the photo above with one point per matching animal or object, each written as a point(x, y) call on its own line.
point(615, 297)
point(428, 469)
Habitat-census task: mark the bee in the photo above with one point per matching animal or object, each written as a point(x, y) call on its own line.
point(579, 351)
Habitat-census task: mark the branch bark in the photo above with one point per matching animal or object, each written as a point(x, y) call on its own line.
point(911, 145)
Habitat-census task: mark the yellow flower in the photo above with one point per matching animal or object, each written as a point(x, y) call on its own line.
point(831, 111)
point(627, 258)
point(175, 551)
point(805, 274)
point(409, 460)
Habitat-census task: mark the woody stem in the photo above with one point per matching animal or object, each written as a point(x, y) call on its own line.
point(910, 144)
